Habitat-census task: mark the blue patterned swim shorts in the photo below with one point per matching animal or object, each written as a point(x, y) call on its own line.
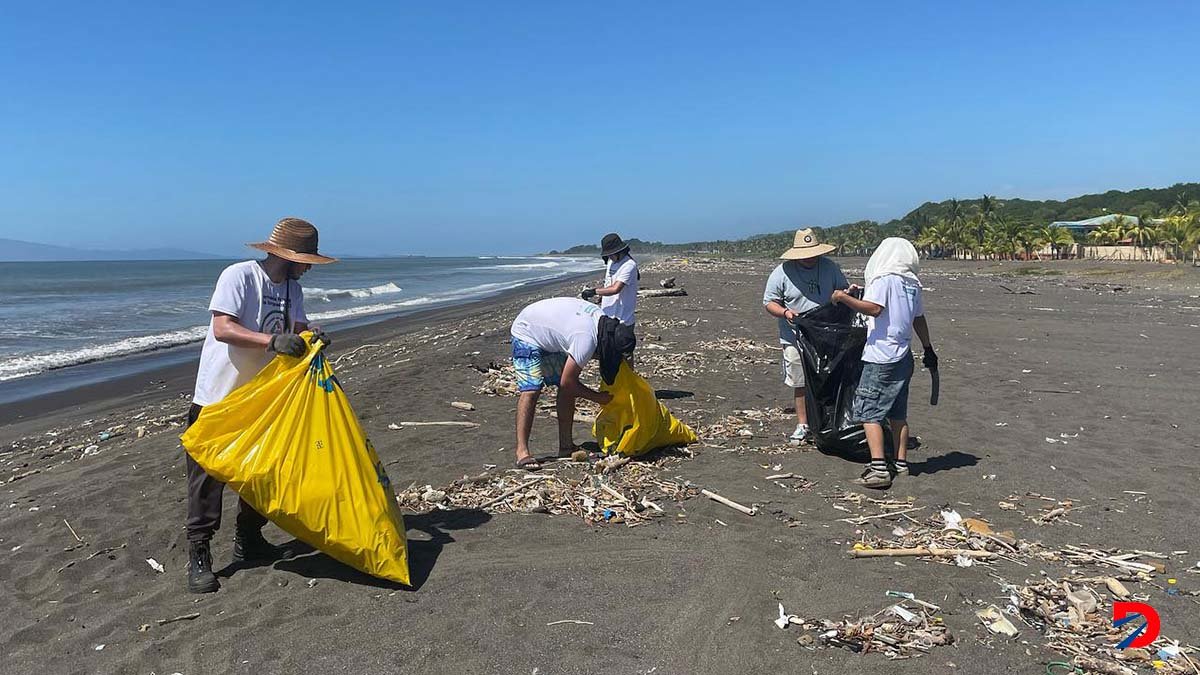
point(536, 368)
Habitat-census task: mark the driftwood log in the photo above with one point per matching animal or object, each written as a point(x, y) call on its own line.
point(662, 293)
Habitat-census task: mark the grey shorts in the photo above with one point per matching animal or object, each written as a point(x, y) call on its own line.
point(882, 392)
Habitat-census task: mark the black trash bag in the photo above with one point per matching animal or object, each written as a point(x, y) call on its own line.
point(831, 344)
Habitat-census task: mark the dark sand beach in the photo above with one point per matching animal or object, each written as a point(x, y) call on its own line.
point(1082, 390)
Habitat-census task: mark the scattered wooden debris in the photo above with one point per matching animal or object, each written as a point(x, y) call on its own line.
point(897, 631)
point(629, 493)
point(402, 425)
point(921, 551)
point(750, 511)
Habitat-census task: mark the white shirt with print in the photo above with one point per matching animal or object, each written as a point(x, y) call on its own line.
point(560, 325)
point(244, 291)
point(622, 305)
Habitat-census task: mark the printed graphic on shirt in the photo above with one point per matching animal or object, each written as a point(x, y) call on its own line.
point(274, 320)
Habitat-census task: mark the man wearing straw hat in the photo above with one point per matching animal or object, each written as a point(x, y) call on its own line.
point(805, 280)
point(257, 312)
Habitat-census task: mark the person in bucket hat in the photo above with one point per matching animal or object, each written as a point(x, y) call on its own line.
point(257, 312)
point(805, 280)
point(618, 295)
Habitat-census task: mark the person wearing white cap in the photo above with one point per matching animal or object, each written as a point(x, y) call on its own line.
point(804, 281)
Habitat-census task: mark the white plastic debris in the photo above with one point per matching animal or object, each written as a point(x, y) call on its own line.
point(155, 565)
point(785, 618)
point(953, 520)
point(996, 621)
point(1168, 652)
point(963, 561)
point(904, 614)
point(98, 648)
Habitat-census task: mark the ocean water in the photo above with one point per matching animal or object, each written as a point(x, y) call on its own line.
point(57, 315)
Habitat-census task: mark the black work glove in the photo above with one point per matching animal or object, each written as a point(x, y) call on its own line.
point(929, 359)
point(287, 343)
point(319, 335)
point(588, 293)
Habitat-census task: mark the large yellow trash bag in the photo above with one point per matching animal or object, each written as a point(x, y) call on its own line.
point(290, 445)
point(634, 422)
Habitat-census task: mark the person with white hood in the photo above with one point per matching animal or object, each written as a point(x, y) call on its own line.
point(894, 310)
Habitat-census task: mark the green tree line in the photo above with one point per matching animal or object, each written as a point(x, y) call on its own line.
point(992, 228)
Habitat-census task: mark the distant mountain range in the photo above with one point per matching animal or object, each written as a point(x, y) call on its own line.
point(13, 250)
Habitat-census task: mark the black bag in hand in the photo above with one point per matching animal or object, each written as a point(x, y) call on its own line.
point(831, 345)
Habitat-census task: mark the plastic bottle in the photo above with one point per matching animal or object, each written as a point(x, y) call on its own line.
point(1172, 587)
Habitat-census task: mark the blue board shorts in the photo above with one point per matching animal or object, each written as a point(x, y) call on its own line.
point(882, 392)
point(536, 368)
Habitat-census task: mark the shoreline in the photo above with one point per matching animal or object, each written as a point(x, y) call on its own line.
point(169, 368)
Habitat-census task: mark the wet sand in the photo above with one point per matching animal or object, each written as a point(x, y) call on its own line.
point(1100, 359)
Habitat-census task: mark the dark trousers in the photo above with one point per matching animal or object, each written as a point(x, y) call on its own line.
point(204, 499)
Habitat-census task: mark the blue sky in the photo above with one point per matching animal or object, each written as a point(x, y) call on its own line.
point(442, 128)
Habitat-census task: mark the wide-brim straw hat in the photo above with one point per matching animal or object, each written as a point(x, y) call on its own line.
point(806, 246)
point(295, 240)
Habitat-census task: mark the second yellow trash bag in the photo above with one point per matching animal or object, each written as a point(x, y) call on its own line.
point(634, 422)
point(288, 442)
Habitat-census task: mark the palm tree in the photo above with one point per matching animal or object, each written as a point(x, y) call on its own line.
point(987, 211)
point(1184, 205)
point(1174, 235)
point(1055, 236)
point(1141, 232)
point(837, 237)
point(1027, 239)
point(1117, 228)
point(1100, 236)
point(934, 238)
point(1192, 243)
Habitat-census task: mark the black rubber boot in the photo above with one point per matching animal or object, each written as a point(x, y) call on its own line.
point(251, 545)
point(200, 572)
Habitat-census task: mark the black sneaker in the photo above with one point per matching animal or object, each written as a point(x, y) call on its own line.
point(251, 545)
point(200, 572)
point(874, 478)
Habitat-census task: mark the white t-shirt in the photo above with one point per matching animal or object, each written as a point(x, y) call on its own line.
point(890, 333)
point(621, 305)
point(560, 325)
point(246, 292)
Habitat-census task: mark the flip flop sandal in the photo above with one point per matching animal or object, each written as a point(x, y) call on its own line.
point(529, 464)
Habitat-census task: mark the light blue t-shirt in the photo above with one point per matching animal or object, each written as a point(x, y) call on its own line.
point(802, 288)
point(890, 334)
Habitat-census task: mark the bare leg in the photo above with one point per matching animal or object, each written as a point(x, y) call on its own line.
point(526, 406)
point(801, 409)
point(874, 432)
point(565, 405)
point(900, 438)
